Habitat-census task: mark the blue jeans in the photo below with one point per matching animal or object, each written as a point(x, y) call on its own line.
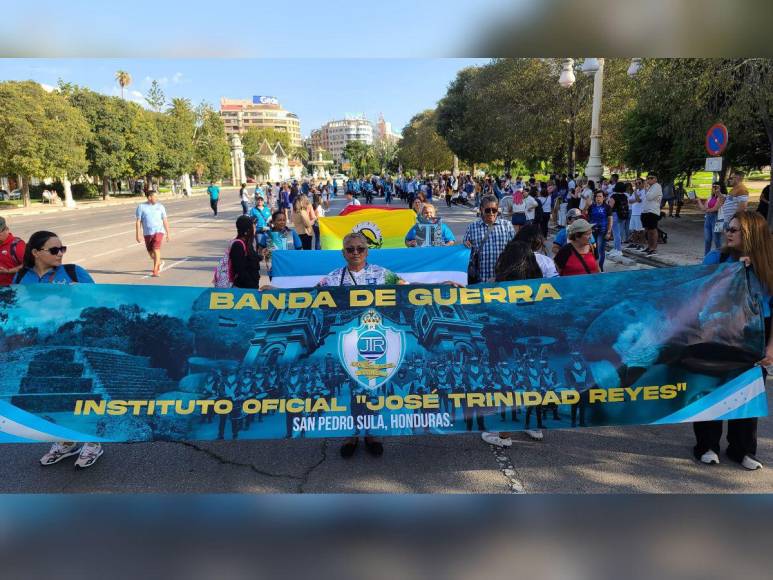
point(601, 243)
point(618, 231)
point(708, 233)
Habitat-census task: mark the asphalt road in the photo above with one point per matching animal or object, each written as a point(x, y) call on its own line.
point(599, 460)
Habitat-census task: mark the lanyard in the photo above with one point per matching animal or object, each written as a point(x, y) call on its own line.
point(344, 272)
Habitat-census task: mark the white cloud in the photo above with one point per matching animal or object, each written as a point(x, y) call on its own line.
point(177, 77)
point(47, 88)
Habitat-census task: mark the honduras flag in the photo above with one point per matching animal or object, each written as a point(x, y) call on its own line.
point(294, 269)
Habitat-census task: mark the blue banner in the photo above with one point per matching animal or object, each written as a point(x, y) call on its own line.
point(139, 363)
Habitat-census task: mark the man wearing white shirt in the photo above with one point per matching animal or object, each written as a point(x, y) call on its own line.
point(650, 213)
point(351, 200)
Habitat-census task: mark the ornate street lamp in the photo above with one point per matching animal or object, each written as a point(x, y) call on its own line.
point(593, 66)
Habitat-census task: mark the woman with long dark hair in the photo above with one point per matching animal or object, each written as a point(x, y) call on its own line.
point(42, 264)
point(516, 262)
point(748, 240)
point(244, 259)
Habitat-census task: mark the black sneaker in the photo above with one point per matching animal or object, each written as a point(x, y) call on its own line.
point(375, 448)
point(348, 449)
point(650, 252)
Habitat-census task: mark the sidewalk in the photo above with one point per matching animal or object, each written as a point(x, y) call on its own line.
point(685, 241)
point(38, 208)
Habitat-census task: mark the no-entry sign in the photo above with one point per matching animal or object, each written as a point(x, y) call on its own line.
point(716, 139)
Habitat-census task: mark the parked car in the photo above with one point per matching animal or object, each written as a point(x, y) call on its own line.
point(15, 194)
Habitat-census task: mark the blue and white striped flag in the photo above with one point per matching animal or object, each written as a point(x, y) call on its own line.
point(299, 269)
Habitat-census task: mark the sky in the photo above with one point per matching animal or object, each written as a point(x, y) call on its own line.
point(317, 90)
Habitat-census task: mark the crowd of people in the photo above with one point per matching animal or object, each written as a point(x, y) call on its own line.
point(508, 240)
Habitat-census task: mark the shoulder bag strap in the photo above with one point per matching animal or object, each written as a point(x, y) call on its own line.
point(579, 257)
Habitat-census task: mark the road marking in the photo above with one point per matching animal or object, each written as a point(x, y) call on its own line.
point(170, 267)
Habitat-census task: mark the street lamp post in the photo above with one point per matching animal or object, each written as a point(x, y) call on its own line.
point(593, 66)
point(594, 170)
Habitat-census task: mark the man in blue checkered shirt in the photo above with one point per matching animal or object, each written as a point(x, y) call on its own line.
point(500, 232)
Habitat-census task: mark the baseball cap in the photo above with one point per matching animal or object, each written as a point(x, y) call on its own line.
point(573, 213)
point(578, 226)
point(3, 224)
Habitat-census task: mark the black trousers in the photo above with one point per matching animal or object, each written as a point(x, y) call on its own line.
point(306, 240)
point(741, 433)
point(741, 438)
point(213, 205)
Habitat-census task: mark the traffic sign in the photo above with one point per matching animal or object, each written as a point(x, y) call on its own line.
point(714, 164)
point(716, 139)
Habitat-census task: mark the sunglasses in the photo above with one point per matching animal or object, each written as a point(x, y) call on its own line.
point(733, 230)
point(356, 249)
point(490, 210)
point(55, 251)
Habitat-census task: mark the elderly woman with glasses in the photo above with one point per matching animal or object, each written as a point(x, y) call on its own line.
point(430, 230)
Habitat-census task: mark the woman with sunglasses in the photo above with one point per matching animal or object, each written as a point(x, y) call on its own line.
point(748, 240)
point(43, 265)
point(711, 208)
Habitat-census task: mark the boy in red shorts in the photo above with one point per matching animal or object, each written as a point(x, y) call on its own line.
point(151, 217)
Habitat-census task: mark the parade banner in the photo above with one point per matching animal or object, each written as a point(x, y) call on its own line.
point(362, 207)
point(291, 269)
point(141, 363)
point(382, 229)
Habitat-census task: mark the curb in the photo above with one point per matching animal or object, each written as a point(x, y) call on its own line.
point(21, 212)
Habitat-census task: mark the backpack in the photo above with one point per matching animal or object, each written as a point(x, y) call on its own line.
point(223, 276)
point(69, 269)
point(622, 208)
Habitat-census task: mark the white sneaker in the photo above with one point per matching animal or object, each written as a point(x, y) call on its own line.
point(494, 439)
point(751, 463)
point(58, 452)
point(710, 457)
point(535, 434)
point(89, 455)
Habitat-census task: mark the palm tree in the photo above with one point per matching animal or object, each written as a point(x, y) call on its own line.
point(300, 153)
point(124, 79)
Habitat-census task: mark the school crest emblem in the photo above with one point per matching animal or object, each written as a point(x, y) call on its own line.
point(371, 351)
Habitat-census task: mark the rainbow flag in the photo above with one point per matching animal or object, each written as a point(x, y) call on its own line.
point(383, 229)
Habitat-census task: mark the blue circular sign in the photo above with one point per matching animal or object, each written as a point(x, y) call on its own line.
point(716, 139)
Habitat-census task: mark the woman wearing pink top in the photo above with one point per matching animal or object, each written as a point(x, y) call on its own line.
point(711, 209)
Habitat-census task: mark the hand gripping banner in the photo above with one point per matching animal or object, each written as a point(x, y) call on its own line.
point(139, 363)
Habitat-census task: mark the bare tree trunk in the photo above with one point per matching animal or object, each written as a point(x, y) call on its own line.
point(67, 187)
point(25, 189)
point(105, 185)
point(689, 179)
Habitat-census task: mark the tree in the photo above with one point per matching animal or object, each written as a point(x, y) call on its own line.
point(124, 80)
point(360, 155)
point(212, 154)
point(385, 152)
point(155, 97)
point(41, 134)
point(299, 153)
point(421, 147)
point(257, 166)
point(107, 150)
point(253, 137)
point(176, 131)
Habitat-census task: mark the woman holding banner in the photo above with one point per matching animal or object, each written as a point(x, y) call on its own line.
point(42, 264)
point(748, 240)
point(516, 262)
point(431, 231)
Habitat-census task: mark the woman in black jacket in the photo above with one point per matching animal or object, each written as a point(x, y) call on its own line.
point(245, 261)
